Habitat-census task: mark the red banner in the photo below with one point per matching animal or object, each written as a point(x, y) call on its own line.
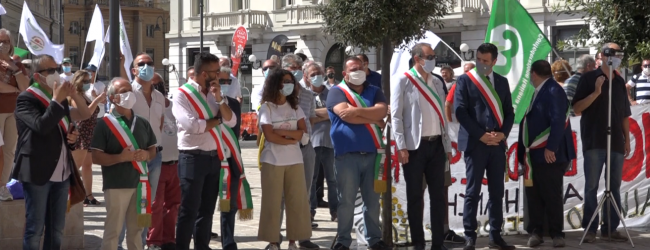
point(239, 40)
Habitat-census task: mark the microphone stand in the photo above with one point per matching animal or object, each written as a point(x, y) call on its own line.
point(607, 196)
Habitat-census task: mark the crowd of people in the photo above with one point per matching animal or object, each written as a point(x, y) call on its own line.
point(168, 159)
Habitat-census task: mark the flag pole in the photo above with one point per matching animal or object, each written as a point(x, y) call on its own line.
point(83, 55)
point(100, 59)
point(563, 66)
point(114, 55)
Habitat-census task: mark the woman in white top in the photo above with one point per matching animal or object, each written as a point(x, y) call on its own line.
point(283, 124)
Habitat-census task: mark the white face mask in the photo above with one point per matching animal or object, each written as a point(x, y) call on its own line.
point(646, 71)
point(5, 48)
point(429, 65)
point(51, 79)
point(357, 77)
point(616, 62)
point(127, 100)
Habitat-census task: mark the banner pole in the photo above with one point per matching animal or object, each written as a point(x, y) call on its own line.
point(83, 55)
point(563, 66)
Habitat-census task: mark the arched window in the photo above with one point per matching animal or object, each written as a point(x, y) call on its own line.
point(335, 57)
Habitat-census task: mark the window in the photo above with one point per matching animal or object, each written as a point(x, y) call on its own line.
point(195, 8)
point(565, 34)
point(283, 3)
point(74, 28)
point(150, 30)
point(150, 52)
point(191, 55)
point(73, 53)
point(237, 5)
point(445, 55)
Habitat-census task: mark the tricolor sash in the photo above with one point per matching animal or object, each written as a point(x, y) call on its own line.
point(201, 106)
point(125, 136)
point(431, 96)
point(538, 143)
point(45, 97)
point(489, 94)
point(375, 131)
point(244, 197)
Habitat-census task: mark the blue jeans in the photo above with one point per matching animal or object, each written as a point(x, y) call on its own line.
point(356, 171)
point(45, 207)
point(154, 175)
point(325, 160)
point(594, 164)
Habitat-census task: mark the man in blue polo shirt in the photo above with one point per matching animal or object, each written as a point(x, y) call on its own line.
point(372, 77)
point(352, 105)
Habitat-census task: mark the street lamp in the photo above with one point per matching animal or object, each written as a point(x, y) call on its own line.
point(256, 64)
point(464, 48)
point(164, 30)
point(172, 68)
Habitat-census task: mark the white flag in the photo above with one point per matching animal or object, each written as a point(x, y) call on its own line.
point(96, 33)
point(2, 10)
point(125, 47)
point(37, 42)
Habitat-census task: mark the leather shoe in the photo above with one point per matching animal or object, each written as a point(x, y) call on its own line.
point(469, 245)
point(418, 246)
point(501, 245)
point(438, 247)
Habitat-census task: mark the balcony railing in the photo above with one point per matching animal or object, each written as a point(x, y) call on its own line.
point(470, 5)
point(127, 3)
point(76, 2)
point(232, 20)
point(304, 14)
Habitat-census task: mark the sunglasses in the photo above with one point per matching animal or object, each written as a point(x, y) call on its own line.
point(430, 57)
point(268, 67)
point(140, 64)
point(49, 71)
point(225, 81)
point(646, 65)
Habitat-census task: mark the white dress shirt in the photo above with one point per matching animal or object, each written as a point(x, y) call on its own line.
point(256, 96)
point(191, 129)
point(235, 88)
point(430, 120)
point(153, 113)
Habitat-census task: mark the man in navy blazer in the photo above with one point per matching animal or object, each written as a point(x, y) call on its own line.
point(484, 110)
point(545, 159)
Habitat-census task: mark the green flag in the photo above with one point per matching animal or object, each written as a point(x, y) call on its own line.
point(20, 52)
point(520, 43)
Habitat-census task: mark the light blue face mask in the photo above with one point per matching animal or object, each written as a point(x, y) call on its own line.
point(66, 69)
point(317, 80)
point(266, 73)
point(287, 89)
point(86, 87)
point(145, 72)
point(224, 89)
point(297, 74)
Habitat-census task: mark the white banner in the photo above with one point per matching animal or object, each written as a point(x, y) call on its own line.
point(634, 188)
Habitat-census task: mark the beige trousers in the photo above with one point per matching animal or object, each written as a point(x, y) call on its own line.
point(10, 137)
point(120, 205)
point(289, 180)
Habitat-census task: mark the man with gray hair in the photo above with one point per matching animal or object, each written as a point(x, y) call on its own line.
point(584, 64)
point(234, 90)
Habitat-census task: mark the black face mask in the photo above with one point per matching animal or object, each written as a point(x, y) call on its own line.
point(330, 75)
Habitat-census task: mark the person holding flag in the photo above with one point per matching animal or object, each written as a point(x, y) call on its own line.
point(484, 110)
point(44, 163)
point(123, 143)
point(424, 149)
point(545, 149)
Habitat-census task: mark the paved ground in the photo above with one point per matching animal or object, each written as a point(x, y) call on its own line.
point(246, 235)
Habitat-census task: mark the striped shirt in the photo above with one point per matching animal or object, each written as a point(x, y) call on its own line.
point(642, 91)
point(570, 86)
point(307, 104)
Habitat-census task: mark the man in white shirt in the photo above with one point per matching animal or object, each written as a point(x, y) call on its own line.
point(235, 88)
point(67, 69)
point(150, 104)
point(201, 150)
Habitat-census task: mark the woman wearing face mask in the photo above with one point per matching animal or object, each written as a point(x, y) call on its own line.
point(12, 81)
point(283, 124)
point(81, 82)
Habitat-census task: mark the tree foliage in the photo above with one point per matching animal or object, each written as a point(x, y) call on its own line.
point(624, 22)
point(365, 23)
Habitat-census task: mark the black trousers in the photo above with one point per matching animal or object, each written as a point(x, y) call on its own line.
point(199, 176)
point(320, 185)
point(428, 161)
point(545, 199)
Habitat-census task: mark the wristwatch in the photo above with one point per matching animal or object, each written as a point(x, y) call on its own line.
point(223, 100)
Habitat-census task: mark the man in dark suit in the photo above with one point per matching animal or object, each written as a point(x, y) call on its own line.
point(485, 122)
point(43, 160)
point(545, 158)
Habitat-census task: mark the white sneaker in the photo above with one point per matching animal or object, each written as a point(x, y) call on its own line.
point(272, 247)
point(5, 195)
point(154, 247)
point(293, 246)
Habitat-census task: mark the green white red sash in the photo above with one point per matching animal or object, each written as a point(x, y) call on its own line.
point(45, 97)
point(224, 188)
point(244, 197)
point(143, 196)
point(201, 106)
point(537, 143)
point(375, 131)
point(489, 94)
point(431, 96)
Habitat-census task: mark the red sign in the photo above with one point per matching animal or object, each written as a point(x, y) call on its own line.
point(239, 40)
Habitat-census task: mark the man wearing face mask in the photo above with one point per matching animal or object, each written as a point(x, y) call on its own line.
point(256, 95)
point(321, 139)
point(44, 163)
point(484, 110)
point(591, 101)
point(372, 77)
point(584, 64)
point(67, 69)
point(331, 80)
point(150, 104)
point(424, 149)
point(357, 110)
point(199, 107)
point(234, 90)
point(294, 63)
point(640, 94)
point(123, 143)
point(545, 159)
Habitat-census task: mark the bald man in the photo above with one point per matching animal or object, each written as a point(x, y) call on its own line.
point(468, 66)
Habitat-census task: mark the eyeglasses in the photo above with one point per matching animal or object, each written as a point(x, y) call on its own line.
point(140, 64)
point(225, 81)
point(430, 57)
point(646, 65)
point(49, 71)
point(268, 67)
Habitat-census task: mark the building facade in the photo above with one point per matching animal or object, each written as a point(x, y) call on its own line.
point(299, 21)
point(146, 23)
point(47, 13)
